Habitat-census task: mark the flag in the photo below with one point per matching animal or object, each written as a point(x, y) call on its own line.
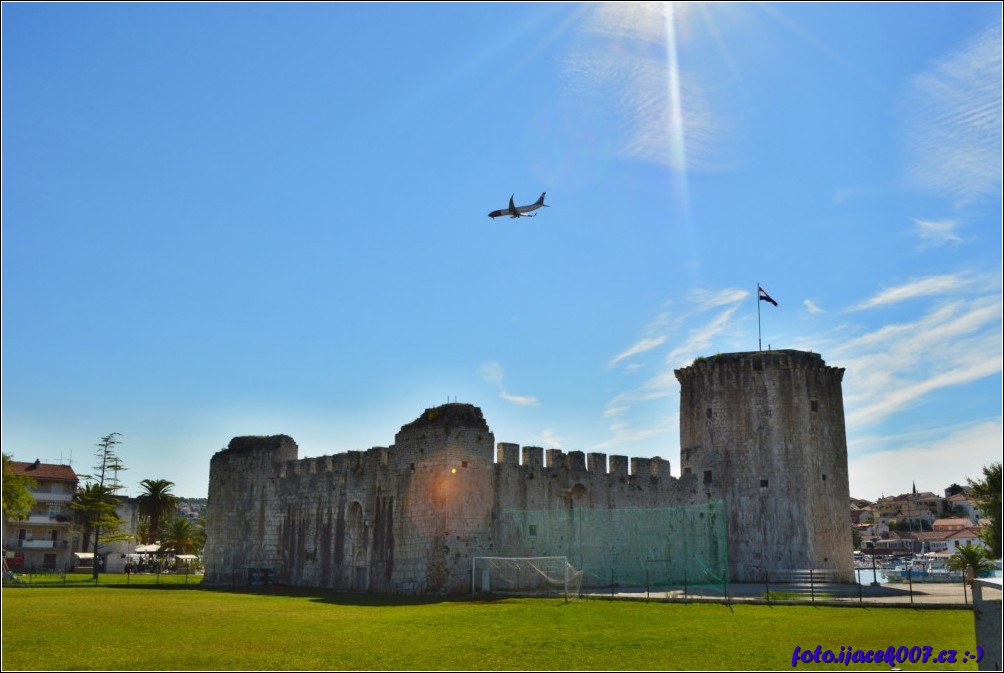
point(764, 296)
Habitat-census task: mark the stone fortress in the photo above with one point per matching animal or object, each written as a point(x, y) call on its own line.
point(763, 489)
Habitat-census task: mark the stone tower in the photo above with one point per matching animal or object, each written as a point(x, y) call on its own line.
point(764, 431)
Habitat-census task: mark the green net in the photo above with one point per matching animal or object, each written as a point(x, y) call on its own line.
point(641, 547)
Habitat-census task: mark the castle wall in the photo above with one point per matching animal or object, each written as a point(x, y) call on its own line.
point(762, 433)
point(411, 517)
point(765, 432)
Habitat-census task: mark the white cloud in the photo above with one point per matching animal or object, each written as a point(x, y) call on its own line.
point(933, 285)
point(954, 110)
point(492, 372)
point(894, 367)
point(663, 384)
point(638, 348)
point(521, 400)
point(712, 298)
point(934, 233)
point(812, 307)
point(700, 339)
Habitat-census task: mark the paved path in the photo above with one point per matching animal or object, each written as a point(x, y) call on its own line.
point(927, 595)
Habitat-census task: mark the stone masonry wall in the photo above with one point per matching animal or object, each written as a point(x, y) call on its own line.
point(765, 432)
point(404, 519)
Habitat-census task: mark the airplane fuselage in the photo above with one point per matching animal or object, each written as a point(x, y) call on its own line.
point(514, 211)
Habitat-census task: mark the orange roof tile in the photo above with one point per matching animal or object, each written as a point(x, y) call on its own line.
point(39, 470)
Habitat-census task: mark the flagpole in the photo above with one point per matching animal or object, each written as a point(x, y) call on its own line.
point(759, 340)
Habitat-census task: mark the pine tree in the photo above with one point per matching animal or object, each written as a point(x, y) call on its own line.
point(96, 502)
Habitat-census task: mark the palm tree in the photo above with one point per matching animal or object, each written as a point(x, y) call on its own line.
point(157, 502)
point(143, 531)
point(179, 536)
point(971, 560)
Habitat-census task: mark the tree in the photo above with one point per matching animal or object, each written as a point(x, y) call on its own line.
point(968, 557)
point(178, 537)
point(143, 531)
point(94, 509)
point(98, 502)
point(157, 503)
point(17, 499)
point(987, 494)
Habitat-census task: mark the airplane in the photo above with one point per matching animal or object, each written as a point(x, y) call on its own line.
point(514, 211)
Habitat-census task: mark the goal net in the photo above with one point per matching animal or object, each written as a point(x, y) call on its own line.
point(528, 575)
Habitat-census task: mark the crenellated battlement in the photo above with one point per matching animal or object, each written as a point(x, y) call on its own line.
point(731, 364)
point(382, 457)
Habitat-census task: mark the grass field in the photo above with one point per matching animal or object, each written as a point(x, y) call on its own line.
point(173, 627)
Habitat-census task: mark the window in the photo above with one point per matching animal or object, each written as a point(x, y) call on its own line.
point(463, 463)
point(815, 405)
point(708, 412)
point(532, 529)
point(824, 477)
point(763, 483)
point(707, 476)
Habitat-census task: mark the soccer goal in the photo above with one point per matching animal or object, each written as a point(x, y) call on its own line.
point(528, 575)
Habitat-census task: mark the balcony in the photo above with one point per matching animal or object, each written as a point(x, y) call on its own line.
point(61, 498)
point(36, 544)
point(43, 520)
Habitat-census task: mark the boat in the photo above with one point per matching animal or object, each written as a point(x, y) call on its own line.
point(923, 569)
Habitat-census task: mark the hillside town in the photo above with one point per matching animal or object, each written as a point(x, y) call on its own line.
point(917, 522)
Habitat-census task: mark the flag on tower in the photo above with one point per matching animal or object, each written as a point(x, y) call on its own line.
point(764, 296)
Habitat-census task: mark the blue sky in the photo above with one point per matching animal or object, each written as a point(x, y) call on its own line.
point(239, 219)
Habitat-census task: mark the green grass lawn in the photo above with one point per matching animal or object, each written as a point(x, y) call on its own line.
point(117, 627)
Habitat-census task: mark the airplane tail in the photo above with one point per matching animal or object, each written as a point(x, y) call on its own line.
point(540, 201)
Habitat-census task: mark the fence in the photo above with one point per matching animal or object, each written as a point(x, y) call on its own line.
point(807, 585)
point(49, 577)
